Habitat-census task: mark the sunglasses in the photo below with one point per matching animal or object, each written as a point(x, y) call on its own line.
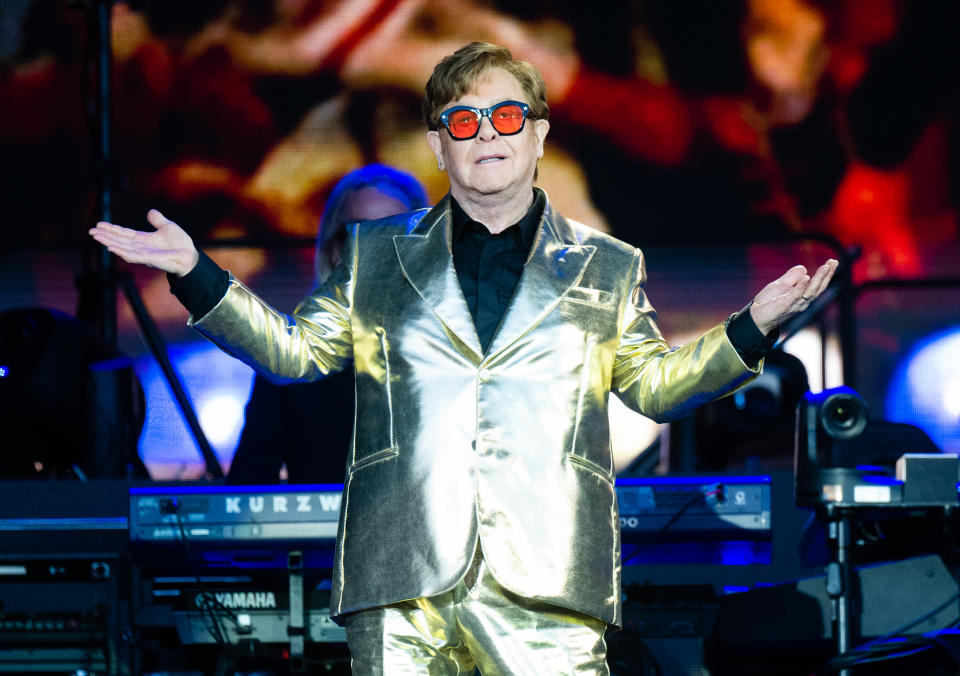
point(463, 122)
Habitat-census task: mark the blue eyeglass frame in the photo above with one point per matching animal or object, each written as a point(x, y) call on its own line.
point(481, 113)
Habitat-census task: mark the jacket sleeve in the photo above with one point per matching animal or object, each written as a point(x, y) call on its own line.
point(665, 383)
point(316, 340)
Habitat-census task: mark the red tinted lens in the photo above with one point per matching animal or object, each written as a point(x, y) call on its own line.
point(462, 123)
point(507, 119)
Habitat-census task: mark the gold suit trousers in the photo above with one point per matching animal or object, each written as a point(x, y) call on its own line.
point(476, 624)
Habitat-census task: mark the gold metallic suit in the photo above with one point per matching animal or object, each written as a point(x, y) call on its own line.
point(451, 443)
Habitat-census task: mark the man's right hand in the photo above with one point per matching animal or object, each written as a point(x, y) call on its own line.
point(168, 248)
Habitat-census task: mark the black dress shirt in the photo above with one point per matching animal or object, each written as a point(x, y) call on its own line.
point(489, 266)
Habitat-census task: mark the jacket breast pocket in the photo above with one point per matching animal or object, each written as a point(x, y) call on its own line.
point(593, 297)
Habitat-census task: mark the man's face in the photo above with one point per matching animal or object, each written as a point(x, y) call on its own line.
point(489, 163)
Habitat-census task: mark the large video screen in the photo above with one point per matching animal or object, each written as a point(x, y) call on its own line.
point(728, 141)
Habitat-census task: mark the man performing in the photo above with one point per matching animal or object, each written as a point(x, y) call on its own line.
point(479, 522)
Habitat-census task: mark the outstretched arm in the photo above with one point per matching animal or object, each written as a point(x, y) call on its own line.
point(316, 341)
point(167, 248)
point(667, 383)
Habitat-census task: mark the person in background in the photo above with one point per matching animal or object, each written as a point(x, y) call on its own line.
point(279, 426)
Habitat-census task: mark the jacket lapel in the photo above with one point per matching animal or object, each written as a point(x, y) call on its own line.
point(556, 263)
point(427, 263)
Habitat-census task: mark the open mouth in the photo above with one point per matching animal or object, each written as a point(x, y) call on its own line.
point(492, 158)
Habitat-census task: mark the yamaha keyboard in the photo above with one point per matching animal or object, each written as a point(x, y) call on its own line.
point(235, 607)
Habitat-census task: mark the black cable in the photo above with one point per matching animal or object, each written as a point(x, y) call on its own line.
point(216, 632)
point(885, 658)
point(216, 604)
point(219, 633)
point(700, 496)
point(867, 653)
point(946, 646)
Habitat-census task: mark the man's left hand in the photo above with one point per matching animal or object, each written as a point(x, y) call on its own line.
point(790, 295)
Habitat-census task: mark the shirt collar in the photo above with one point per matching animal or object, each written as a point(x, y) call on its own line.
point(527, 225)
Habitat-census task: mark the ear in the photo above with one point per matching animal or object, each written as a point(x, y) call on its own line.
point(540, 129)
point(436, 145)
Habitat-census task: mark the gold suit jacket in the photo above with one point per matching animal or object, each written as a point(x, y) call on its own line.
point(452, 443)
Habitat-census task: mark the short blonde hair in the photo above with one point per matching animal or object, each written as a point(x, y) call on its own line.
point(456, 74)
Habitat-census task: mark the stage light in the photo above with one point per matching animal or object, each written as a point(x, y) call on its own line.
point(219, 386)
point(221, 417)
point(925, 389)
point(822, 465)
point(844, 457)
point(843, 414)
point(750, 431)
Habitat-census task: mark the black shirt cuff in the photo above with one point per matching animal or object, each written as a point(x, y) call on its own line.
point(747, 340)
point(202, 288)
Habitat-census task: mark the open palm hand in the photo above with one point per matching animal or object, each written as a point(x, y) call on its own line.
point(789, 295)
point(167, 248)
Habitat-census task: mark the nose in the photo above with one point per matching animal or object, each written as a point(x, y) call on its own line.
point(486, 131)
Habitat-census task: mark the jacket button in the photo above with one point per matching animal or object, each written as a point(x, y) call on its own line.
point(484, 376)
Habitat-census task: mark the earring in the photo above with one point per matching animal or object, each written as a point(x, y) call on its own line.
point(439, 164)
